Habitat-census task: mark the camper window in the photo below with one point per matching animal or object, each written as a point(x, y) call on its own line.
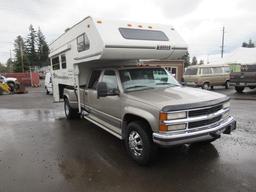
point(63, 61)
point(82, 43)
point(55, 63)
point(142, 34)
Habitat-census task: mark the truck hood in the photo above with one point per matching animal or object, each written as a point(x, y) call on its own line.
point(177, 98)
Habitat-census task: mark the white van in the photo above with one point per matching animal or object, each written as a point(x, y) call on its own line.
point(48, 83)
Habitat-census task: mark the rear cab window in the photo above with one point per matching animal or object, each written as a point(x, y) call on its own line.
point(94, 79)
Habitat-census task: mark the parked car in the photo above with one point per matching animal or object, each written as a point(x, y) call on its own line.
point(11, 82)
point(207, 76)
point(245, 78)
point(48, 83)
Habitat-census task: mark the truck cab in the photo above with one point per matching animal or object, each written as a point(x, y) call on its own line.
point(147, 107)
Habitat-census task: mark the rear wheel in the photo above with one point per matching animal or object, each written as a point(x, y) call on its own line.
point(139, 143)
point(206, 86)
point(69, 111)
point(47, 92)
point(239, 89)
point(12, 86)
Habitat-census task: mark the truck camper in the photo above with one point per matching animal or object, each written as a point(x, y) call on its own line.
point(96, 71)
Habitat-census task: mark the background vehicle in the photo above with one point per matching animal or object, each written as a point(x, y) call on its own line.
point(11, 82)
point(100, 78)
point(48, 83)
point(207, 76)
point(245, 78)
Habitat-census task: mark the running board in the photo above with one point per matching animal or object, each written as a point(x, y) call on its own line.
point(102, 126)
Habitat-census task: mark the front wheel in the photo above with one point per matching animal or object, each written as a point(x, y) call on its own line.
point(239, 89)
point(69, 111)
point(139, 143)
point(227, 85)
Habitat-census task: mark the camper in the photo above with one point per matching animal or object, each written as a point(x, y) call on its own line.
point(97, 73)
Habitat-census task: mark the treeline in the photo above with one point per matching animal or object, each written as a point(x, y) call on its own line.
point(31, 51)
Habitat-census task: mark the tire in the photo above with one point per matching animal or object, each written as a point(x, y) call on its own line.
point(227, 85)
point(139, 143)
point(69, 111)
point(239, 89)
point(47, 92)
point(206, 86)
point(12, 86)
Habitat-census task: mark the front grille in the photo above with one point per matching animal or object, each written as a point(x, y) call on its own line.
point(204, 122)
point(207, 111)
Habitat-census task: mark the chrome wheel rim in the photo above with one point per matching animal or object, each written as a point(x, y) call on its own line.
point(135, 143)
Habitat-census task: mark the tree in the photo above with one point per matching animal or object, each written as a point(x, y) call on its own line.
point(10, 65)
point(42, 49)
point(186, 59)
point(31, 46)
point(21, 60)
point(250, 44)
point(3, 68)
point(194, 61)
point(201, 62)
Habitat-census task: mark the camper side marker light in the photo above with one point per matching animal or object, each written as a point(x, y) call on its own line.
point(150, 27)
point(129, 25)
point(140, 26)
point(99, 22)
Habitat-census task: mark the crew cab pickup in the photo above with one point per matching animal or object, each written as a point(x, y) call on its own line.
point(147, 107)
point(245, 78)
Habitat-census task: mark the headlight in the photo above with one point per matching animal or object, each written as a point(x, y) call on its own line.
point(176, 115)
point(226, 105)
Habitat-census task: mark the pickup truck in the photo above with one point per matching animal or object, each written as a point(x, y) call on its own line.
point(245, 78)
point(146, 107)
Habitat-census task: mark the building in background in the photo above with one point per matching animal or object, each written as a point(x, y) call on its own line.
point(175, 67)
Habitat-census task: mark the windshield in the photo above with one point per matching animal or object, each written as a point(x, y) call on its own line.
point(146, 78)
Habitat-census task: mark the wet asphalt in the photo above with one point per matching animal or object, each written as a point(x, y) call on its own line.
point(42, 151)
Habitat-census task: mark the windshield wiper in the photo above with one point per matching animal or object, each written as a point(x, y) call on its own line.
point(165, 83)
point(138, 86)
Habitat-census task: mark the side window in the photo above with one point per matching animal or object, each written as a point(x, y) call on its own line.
point(110, 78)
point(226, 69)
point(82, 43)
point(63, 61)
point(206, 71)
point(217, 70)
point(55, 63)
point(94, 79)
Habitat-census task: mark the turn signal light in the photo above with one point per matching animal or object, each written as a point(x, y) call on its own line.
point(163, 127)
point(163, 116)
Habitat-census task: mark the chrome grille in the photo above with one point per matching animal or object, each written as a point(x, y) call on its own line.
point(204, 111)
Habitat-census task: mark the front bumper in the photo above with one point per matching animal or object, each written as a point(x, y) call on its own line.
point(242, 84)
point(170, 139)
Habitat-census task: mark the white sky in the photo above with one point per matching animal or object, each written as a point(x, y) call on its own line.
point(198, 21)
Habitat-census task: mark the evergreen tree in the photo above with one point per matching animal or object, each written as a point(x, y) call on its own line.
point(201, 62)
point(3, 68)
point(186, 59)
point(250, 44)
point(20, 55)
point(31, 46)
point(42, 49)
point(10, 65)
point(194, 61)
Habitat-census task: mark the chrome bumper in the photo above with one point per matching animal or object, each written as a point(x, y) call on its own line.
point(169, 139)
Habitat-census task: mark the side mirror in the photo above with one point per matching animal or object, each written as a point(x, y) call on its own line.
point(102, 89)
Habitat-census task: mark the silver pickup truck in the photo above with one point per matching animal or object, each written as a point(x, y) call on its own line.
point(147, 107)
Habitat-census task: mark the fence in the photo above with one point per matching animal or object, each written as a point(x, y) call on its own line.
point(27, 79)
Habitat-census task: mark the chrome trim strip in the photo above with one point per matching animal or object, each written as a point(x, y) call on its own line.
point(195, 119)
point(166, 136)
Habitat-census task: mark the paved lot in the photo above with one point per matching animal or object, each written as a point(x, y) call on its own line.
point(41, 151)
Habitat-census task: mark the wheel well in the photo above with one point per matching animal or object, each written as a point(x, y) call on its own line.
point(129, 118)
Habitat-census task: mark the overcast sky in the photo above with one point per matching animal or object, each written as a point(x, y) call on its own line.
point(198, 21)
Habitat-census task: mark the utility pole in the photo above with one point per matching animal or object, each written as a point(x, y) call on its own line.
point(222, 43)
point(21, 56)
